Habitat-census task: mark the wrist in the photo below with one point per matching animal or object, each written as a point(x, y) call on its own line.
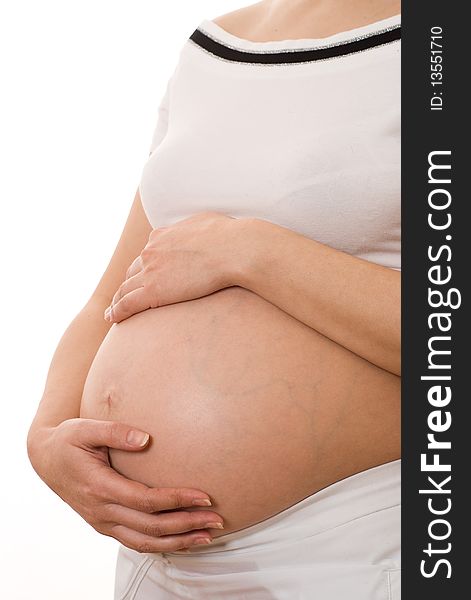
point(37, 441)
point(250, 255)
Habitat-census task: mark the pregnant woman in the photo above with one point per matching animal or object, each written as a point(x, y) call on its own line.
point(227, 404)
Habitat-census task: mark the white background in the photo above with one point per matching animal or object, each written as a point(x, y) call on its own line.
point(81, 83)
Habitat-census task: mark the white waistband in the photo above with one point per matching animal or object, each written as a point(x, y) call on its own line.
point(361, 494)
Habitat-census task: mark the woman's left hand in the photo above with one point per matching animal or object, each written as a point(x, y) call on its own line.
point(189, 259)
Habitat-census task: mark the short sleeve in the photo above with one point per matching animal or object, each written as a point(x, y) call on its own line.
point(162, 119)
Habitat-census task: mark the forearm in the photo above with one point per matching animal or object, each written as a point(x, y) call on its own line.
point(354, 302)
point(70, 365)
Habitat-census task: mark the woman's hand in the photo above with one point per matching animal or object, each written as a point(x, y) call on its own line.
point(72, 459)
point(190, 259)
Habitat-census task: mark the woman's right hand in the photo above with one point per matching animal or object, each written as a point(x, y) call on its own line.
point(72, 459)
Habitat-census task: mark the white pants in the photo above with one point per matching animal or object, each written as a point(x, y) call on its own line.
point(341, 543)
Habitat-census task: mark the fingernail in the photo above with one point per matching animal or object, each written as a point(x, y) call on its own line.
point(214, 525)
point(137, 438)
point(107, 314)
point(201, 502)
point(201, 541)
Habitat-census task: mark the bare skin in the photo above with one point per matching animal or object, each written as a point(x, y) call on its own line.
point(242, 401)
point(243, 368)
point(274, 20)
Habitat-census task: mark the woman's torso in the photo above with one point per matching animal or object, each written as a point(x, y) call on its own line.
point(242, 400)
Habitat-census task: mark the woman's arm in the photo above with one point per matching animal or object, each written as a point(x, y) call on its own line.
point(68, 453)
point(81, 340)
point(354, 302)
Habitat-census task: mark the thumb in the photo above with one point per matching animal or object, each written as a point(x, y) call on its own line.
point(112, 434)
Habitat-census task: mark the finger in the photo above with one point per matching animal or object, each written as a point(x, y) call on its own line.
point(93, 434)
point(135, 267)
point(169, 543)
point(136, 301)
point(120, 490)
point(130, 284)
point(156, 525)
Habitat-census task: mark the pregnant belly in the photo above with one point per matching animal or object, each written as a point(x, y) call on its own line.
point(243, 402)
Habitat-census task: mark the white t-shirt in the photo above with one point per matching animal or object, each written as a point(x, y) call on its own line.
point(302, 133)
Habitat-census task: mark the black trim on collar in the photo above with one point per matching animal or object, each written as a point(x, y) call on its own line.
point(295, 56)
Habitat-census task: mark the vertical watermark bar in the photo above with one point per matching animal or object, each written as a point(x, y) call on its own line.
point(436, 162)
